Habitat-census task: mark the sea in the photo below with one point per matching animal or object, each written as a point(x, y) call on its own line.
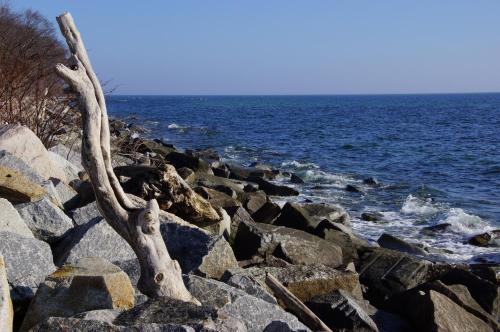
point(436, 156)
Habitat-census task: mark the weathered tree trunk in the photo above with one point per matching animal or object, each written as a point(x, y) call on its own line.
point(160, 275)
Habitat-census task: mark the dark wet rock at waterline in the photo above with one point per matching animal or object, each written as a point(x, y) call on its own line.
point(486, 239)
point(371, 181)
point(439, 228)
point(372, 216)
point(296, 179)
point(273, 189)
point(353, 189)
point(389, 241)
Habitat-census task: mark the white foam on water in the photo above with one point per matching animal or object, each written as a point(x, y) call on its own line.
point(173, 126)
point(464, 223)
point(298, 165)
point(418, 206)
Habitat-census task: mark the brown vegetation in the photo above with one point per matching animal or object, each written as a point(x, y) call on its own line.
point(31, 93)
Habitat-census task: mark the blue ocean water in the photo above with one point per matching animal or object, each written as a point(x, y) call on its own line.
point(437, 156)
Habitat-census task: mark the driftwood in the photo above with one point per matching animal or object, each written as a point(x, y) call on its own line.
point(292, 303)
point(160, 275)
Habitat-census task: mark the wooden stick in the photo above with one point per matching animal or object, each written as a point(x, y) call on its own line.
point(140, 227)
point(292, 303)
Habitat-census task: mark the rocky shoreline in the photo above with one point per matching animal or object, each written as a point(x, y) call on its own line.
point(68, 270)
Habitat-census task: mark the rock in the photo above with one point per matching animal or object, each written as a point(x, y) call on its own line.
point(90, 283)
point(439, 228)
point(47, 222)
point(212, 181)
point(185, 172)
point(102, 315)
point(486, 239)
point(254, 312)
point(279, 326)
point(25, 145)
point(372, 216)
point(11, 221)
point(295, 246)
point(179, 160)
point(18, 182)
point(273, 189)
point(353, 189)
point(237, 215)
point(60, 324)
point(307, 217)
point(221, 170)
point(340, 311)
point(252, 287)
point(172, 193)
point(433, 311)
point(65, 193)
point(208, 155)
point(391, 242)
point(267, 213)
point(170, 312)
point(74, 155)
point(216, 198)
point(239, 172)
point(487, 272)
point(6, 309)
point(296, 179)
point(385, 272)
point(305, 282)
point(92, 239)
point(371, 181)
point(486, 293)
point(196, 250)
point(70, 171)
point(253, 201)
point(155, 146)
point(458, 294)
point(28, 261)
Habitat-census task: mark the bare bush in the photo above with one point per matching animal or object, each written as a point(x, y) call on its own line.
point(31, 93)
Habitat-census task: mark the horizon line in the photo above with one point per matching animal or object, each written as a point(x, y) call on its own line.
point(305, 94)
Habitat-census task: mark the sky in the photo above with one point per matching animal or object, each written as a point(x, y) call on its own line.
point(288, 47)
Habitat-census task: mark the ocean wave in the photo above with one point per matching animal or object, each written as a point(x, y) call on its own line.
point(464, 223)
point(176, 126)
point(419, 206)
point(297, 165)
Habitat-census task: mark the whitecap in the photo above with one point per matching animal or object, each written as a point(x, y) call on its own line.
point(464, 223)
point(298, 165)
point(415, 205)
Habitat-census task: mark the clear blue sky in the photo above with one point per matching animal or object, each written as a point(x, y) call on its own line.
point(289, 47)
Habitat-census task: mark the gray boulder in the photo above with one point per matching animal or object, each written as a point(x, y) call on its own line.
point(273, 189)
point(294, 246)
point(304, 282)
point(28, 260)
point(433, 311)
point(196, 250)
point(89, 284)
point(307, 217)
point(254, 312)
point(391, 242)
point(340, 311)
point(47, 222)
point(385, 272)
point(250, 286)
point(11, 221)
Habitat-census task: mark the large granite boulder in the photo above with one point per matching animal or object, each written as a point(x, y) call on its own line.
point(195, 249)
point(295, 246)
point(67, 195)
point(179, 160)
point(485, 292)
point(433, 311)
point(73, 155)
point(341, 311)
point(457, 293)
point(18, 182)
point(273, 189)
point(70, 171)
point(6, 309)
point(254, 312)
point(11, 221)
point(45, 219)
point(28, 261)
point(385, 272)
point(91, 283)
point(391, 242)
point(307, 217)
point(92, 239)
point(175, 315)
point(21, 142)
point(305, 282)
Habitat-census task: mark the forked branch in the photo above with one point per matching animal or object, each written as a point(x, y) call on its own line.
point(160, 275)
